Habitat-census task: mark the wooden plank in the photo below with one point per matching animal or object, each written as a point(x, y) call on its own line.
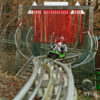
point(28, 70)
point(25, 66)
point(23, 77)
point(30, 66)
point(26, 73)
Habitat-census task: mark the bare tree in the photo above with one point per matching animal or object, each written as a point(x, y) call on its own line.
point(1, 11)
point(97, 5)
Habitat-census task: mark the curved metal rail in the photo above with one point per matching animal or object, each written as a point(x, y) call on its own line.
point(36, 89)
point(30, 82)
point(94, 50)
point(20, 52)
point(69, 92)
point(89, 54)
point(27, 86)
point(27, 40)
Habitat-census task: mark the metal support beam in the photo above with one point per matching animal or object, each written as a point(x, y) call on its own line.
point(58, 7)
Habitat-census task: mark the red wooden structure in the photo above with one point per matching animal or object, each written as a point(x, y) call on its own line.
point(50, 25)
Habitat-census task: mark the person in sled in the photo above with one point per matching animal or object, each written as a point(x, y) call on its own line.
point(60, 49)
point(60, 46)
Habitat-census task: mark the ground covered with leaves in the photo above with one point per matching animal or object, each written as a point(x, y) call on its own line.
point(8, 59)
point(9, 86)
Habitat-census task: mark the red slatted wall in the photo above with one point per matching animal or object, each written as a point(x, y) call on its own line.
point(50, 25)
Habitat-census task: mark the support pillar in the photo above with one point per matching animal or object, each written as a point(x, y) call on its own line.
point(91, 20)
point(17, 62)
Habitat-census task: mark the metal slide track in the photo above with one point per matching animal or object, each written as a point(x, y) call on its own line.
point(26, 70)
point(50, 80)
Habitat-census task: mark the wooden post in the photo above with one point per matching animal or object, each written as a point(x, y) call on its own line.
point(91, 20)
point(20, 12)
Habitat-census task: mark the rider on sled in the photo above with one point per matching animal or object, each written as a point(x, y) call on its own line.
point(58, 50)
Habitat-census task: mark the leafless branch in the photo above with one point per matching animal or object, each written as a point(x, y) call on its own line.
point(3, 32)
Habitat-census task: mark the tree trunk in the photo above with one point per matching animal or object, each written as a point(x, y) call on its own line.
point(1, 10)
